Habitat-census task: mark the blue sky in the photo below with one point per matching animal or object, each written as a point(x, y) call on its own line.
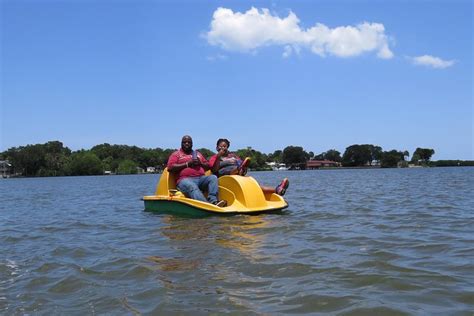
point(266, 74)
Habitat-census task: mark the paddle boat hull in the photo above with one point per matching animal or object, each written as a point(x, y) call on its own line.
point(243, 196)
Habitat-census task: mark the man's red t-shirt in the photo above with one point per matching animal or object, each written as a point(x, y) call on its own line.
point(180, 156)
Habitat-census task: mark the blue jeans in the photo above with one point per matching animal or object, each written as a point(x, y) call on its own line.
point(192, 187)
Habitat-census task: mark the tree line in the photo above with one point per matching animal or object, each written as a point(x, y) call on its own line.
point(54, 159)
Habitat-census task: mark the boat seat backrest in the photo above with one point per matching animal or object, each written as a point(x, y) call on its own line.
point(167, 182)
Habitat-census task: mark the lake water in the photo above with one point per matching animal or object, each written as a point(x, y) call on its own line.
point(352, 242)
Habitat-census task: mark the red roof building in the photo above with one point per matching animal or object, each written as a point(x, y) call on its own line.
point(316, 164)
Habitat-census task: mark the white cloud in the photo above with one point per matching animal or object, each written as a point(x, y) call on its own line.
point(288, 51)
point(431, 61)
point(246, 32)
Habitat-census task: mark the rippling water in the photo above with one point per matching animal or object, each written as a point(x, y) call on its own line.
point(352, 242)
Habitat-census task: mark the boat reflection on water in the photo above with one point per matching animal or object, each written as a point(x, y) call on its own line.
point(211, 256)
point(203, 239)
point(235, 232)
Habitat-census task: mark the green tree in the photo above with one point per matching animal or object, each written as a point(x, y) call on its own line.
point(356, 155)
point(206, 152)
point(108, 164)
point(276, 156)
point(119, 152)
point(390, 159)
point(376, 152)
point(260, 159)
point(56, 157)
point(319, 156)
point(452, 163)
point(28, 160)
point(294, 155)
point(406, 154)
point(38, 160)
point(84, 163)
point(127, 166)
point(361, 155)
point(257, 159)
point(331, 154)
point(148, 158)
point(104, 151)
point(422, 155)
point(113, 155)
point(164, 156)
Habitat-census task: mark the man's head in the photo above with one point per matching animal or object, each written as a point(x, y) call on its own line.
point(187, 143)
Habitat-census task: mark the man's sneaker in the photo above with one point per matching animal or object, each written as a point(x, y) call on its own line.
point(221, 203)
point(281, 188)
point(243, 167)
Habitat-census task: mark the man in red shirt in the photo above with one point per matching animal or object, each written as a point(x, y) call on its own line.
point(189, 167)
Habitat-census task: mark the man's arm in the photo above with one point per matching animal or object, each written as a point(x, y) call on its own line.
point(173, 165)
point(203, 162)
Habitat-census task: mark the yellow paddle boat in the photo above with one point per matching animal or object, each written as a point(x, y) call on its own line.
point(242, 193)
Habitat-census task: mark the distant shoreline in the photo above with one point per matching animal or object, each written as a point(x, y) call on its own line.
point(158, 173)
point(55, 159)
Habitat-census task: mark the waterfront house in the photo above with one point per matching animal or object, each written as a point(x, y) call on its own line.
point(150, 169)
point(5, 168)
point(316, 164)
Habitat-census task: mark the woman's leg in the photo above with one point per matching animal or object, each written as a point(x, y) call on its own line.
point(280, 189)
point(266, 189)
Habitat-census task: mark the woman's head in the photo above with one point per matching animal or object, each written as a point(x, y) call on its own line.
point(222, 143)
